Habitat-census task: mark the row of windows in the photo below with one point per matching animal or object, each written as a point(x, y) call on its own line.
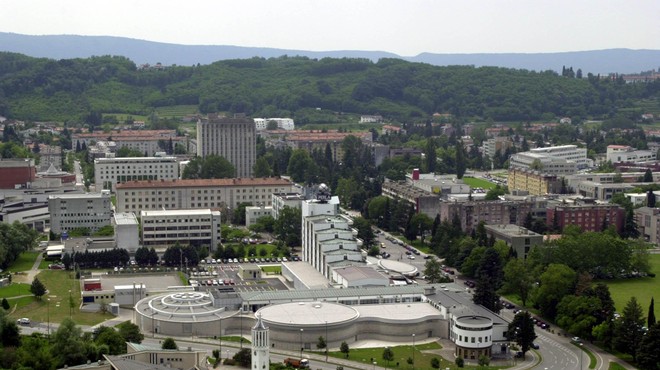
point(208, 191)
point(485, 339)
point(176, 236)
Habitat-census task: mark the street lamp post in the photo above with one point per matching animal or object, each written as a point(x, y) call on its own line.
point(327, 342)
point(413, 352)
point(301, 342)
point(240, 312)
point(220, 339)
point(153, 327)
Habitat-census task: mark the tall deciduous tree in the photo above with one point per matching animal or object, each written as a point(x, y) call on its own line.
point(521, 331)
point(518, 279)
point(557, 281)
point(68, 345)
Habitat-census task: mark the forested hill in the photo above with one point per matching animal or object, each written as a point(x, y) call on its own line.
point(45, 89)
point(142, 51)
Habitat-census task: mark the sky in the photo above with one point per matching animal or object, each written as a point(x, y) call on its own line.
point(404, 27)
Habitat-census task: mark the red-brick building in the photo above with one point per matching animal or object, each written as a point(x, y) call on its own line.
point(588, 216)
point(16, 172)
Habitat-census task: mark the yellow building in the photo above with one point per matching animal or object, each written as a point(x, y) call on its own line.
point(534, 182)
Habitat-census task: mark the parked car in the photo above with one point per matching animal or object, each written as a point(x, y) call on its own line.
point(23, 321)
point(576, 340)
point(535, 346)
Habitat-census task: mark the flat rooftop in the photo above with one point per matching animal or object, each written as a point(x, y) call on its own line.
point(125, 218)
point(308, 313)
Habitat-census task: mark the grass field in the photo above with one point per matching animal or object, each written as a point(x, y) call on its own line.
point(14, 290)
point(58, 283)
point(272, 270)
point(642, 288)
point(478, 183)
point(616, 366)
point(24, 262)
point(401, 355)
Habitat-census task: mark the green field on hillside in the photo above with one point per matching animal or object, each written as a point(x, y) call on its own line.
point(24, 262)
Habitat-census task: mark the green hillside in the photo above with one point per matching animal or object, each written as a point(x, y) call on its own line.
point(44, 89)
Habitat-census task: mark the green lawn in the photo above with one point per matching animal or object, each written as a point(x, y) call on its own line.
point(58, 283)
point(641, 288)
point(271, 270)
point(478, 183)
point(24, 262)
point(401, 354)
point(15, 289)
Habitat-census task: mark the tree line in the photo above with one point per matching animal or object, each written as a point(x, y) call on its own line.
point(69, 89)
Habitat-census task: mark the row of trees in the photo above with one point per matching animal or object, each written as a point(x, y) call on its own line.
point(67, 346)
point(15, 239)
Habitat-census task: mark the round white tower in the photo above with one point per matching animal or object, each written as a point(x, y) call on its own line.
point(260, 346)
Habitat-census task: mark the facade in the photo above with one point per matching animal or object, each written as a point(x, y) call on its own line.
point(16, 173)
point(422, 201)
point(194, 227)
point(253, 213)
point(110, 171)
point(231, 138)
point(496, 212)
point(601, 191)
point(625, 153)
point(586, 214)
point(519, 238)
point(144, 141)
point(497, 144)
point(134, 196)
point(328, 241)
point(533, 182)
point(33, 214)
point(554, 160)
point(282, 123)
point(371, 119)
point(311, 140)
point(473, 336)
point(127, 233)
point(74, 211)
point(543, 163)
point(648, 224)
point(281, 200)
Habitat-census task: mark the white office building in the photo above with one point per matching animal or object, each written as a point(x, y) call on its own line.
point(74, 211)
point(328, 241)
point(110, 171)
point(281, 200)
point(195, 227)
point(568, 152)
point(554, 160)
point(625, 153)
point(282, 123)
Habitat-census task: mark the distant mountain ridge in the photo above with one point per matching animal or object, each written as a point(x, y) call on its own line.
point(141, 51)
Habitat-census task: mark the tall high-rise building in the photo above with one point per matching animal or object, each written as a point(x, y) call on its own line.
point(231, 138)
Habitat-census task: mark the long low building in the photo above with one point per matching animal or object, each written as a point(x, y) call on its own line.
point(297, 319)
point(134, 196)
point(197, 227)
point(110, 171)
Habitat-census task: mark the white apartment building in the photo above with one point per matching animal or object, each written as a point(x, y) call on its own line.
point(194, 227)
point(253, 213)
point(497, 144)
point(110, 171)
point(625, 153)
point(282, 123)
point(281, 200)
point(328, 241)
point(73, 211)
point(134, 196)
point(231, 138)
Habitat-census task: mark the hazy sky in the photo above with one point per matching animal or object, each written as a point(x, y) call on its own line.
point(405, 27)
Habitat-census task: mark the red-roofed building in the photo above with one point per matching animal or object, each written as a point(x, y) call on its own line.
point(134, 196)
